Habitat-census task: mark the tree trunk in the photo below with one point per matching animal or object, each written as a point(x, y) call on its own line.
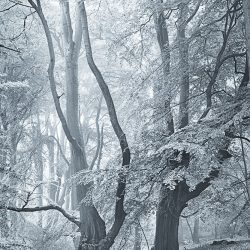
point(183, 66)
point(51, 151)
point(246, 11)
point(92, 226)
point(196, 238)
point(216, 231)
point(163, 119)
point(137, 244)
point(181, 233)
point(168, 216)
point(38, 160)
point(91, 231)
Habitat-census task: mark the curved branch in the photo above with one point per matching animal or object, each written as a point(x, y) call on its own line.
point(200, 187)
point(120, 192)
point(8, 8)
point(194, 12)
point(8, 48)
point(44, 208)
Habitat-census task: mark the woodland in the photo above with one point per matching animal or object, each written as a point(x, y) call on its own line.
point(124, 124)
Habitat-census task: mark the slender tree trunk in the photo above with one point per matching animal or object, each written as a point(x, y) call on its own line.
point(246, 11)
point(92, 226)
point(38, 160)
point(216, 231)
point(196, 238)
point(4, 227)
point(162, 90)
point(183, 66)
point(181, 233)
point(137, 244)
point(51, 150)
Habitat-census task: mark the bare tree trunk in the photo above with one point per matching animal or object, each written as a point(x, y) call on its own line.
point(196, 238)
point(51, 151)
point(183, 66)
point(162, 89)
point(172, 202)
point(38, 159)
point(92, 226)
point(4, 227)
point(246, 11)
point(164, 224)
point(181, 233)
point(168, 215)
point(137, 244)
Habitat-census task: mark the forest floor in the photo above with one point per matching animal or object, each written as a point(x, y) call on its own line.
point(223, 245)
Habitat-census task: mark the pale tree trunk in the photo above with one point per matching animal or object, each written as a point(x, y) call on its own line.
point(196, 237)
point(92, 226)
point(51, 151)
point(216, 231)
point(62, 195)
point(14, 142)
point(181, 232)
point(137, 244)
point(4, 227)
point(246, 11)
point(38, 160)
point(61, 171)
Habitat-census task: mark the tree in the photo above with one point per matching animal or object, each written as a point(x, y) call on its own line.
point(176, 79)
point(88, 213)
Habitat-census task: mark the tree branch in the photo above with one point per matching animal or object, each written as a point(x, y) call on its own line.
point(229, 24)
point(19, 3)
point(44, 208)
point(8, 48)
point(194, 12)
point(8, 8)
point(200, 187)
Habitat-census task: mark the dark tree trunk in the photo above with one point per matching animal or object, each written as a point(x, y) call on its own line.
point(172, 202)
point(183, 47)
